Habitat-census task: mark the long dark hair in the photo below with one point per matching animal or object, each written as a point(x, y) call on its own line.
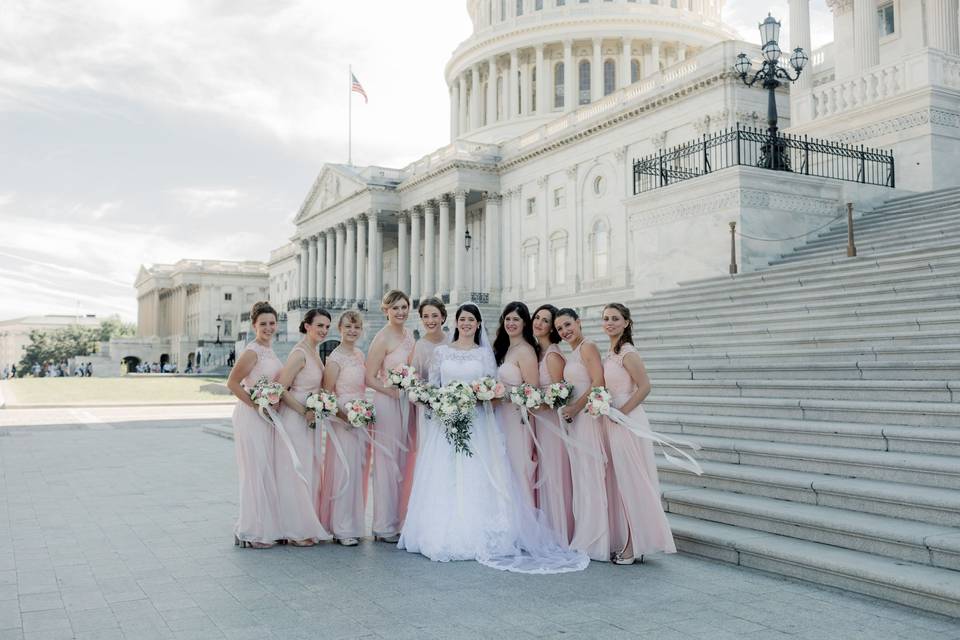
point(475, 312)
point(627, 336)
point(501, 343)
point(554, 335)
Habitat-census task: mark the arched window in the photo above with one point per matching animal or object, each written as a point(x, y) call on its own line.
point(601, 249)
point(584, 82)
point(634, 70)
point(609, 77)
point(558, 87)
point(533, 90)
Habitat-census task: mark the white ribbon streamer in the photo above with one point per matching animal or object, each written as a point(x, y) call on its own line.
point(643, 431)
point(332, 432)
point(271, 416)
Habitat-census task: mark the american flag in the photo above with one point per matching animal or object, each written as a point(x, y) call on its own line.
point(357, 87)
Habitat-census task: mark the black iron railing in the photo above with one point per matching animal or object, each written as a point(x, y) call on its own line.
point(747, 146)
point(477, 297)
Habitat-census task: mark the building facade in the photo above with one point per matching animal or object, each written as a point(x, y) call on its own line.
point(15, 333)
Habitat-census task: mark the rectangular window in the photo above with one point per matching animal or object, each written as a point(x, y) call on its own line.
point(228, 296)
point(227, 327)
point(519, 7)
point(558, 197)
point(531, 271)
point(531, 206)
point(560, 265)
point(886, 19)
point(561, 3)
point(538, 5)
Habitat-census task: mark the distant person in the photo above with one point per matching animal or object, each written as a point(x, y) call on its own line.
point(89, 370)
point(13, 371)
point(6, 373)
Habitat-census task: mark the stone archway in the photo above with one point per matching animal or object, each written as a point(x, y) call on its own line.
point(130, 363)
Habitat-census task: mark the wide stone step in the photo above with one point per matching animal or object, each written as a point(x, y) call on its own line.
point(850, 370)
point(908, 540)
point(872, 225)
point(924, 587)
point(856, 390)
point(883, 241)
point(920, 414)
point(868, 251)
point(896, 500)
point(891, 353)
point(943, 441)
point(906, 468)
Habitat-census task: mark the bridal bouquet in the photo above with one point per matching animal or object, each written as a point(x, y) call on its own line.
point(598, 402)
point(359, 413)
point(453, 406)
point(487, 388)
point(558, 394)
point(422, 392)
point(403, 377)
point(265, 393)
point(526, 396)
point(323, 404)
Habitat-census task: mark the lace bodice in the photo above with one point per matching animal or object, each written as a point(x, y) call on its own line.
point(422, 354)
point(575, 372)
point(268, 365)
point(450, 363)
point(618, 380)
point(397, 357)
point(350, 381)
point(544, 372)
point(310, 377)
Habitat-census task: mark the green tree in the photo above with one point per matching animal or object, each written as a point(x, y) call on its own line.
point(58, 345)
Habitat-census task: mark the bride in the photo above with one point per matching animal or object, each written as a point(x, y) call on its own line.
point(471, 507)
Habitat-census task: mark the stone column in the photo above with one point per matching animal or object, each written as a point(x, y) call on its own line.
point(462, 116)
point(321, 266)
point(339, 289)
point(491, 90)
point(349, 259)
point(304, 268)
point(374, 258)
point(378, 260)
point(454, 112)
point(942, 26)
point(570, 87)
point(866, 35)
point(654, 57)
point(596, 71)
point(443, 258)
point(491, 220)
point(459, 251)
point(525, 88)
point(625, 78)
point(362, 257)
point(415, 277)
point(429, 242)
point(512, 86)
point(541, 102)
point(800, 36)
point(331, 273)
point(475, 121)
point(403, 253)
point(681, 52)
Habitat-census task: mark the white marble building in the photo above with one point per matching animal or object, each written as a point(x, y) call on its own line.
point(15, 333)
point(550, 103)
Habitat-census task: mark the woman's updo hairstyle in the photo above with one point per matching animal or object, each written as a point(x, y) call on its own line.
point(350, 315)
point(391, 297)
point(435, 302)
point(260, 308)
point(475, 312)
point(566, 311)
point(311, 316)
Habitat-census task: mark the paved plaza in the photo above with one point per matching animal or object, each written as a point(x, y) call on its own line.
point(116, 523)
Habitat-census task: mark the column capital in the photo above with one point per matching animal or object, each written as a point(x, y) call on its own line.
point(839, 7)
point(460, 194)
point(403, 216)
point(492, 196)
point(361, 217)
point(433, 203)
point(351, 222)
point(305, 243)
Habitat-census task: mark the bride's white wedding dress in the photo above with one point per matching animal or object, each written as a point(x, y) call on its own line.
point(471, 507)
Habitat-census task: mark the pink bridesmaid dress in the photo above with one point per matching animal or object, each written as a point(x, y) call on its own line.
point(253, 438)
point(553, 464)
point(389, 431)
point(516, 434)
point(591, 528)
point(637, 517)
point(344, 487)
point(297, 500)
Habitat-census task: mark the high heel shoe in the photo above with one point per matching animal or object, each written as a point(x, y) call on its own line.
point(302, 543)
point(237, 542)
point(348, 542)
point(391, 539)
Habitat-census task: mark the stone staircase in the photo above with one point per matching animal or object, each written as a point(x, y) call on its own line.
point(825, 392)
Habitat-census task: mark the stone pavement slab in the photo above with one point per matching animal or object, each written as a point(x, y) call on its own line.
point(126, 532)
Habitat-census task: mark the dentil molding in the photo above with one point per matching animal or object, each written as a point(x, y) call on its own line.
point(902, 122)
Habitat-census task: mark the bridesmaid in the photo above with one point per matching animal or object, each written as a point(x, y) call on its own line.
point(259, 524)
point(639, 524)
point(584, 369)
point(553, 464)
point(391, 347)
point(516, 352)
point(343, 488)
point(301, 375)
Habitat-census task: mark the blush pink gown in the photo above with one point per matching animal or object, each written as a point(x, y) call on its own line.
point(637, 516)
point(253, 439)
point(343, 488)
point(296, 505)
point(553, 464)
point(389, 507)
point(517, 435)
point(591, 528)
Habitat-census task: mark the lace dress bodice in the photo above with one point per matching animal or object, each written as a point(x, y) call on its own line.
point(350, 382)
point(618, 380)
point(466, 365)
point(422, 355)
point(575, 372)
point(544, 372)
point(268, 365)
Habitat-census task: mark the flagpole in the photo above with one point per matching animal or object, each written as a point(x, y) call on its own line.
point(350, 115)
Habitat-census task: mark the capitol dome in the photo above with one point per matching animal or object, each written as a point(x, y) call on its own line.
point(595, 47)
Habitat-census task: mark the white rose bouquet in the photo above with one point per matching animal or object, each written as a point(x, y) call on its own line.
point(487, 388)
point(403, 377)
point(422, 392)
point(359, 413)
point(323, 404)
point(265, 393)
point(557, 394)
point(526, 396)
point(453, 406)
point(598, 402)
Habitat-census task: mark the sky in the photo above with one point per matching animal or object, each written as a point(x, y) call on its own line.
point(136, 132)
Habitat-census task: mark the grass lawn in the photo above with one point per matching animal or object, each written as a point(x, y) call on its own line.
point(80, 391)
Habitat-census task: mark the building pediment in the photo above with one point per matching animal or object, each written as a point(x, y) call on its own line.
point(334, 184)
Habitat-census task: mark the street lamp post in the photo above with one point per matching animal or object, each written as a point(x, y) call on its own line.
point(219, 323)
point(770, 75)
